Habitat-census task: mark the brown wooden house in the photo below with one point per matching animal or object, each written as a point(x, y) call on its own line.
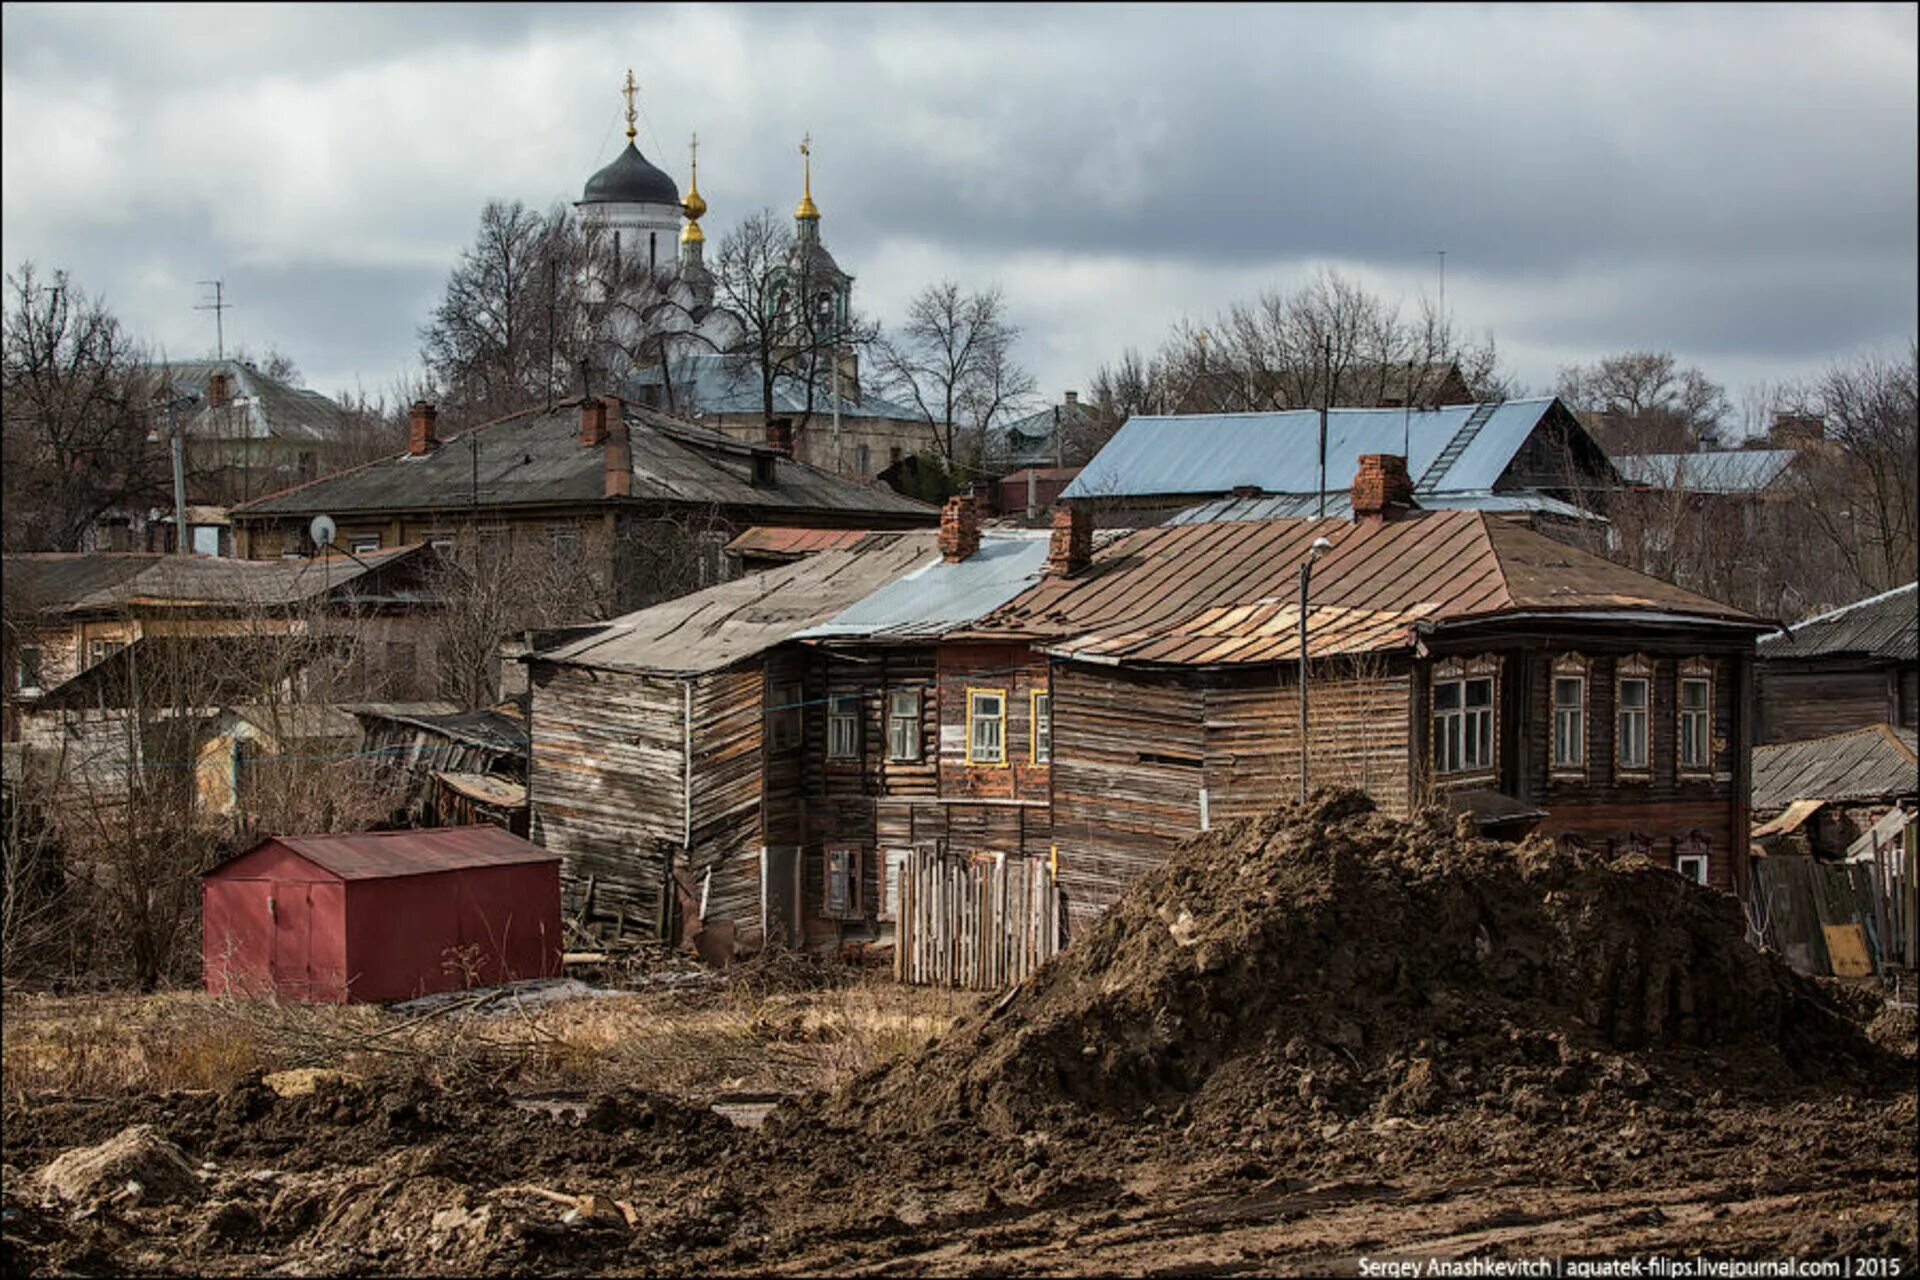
point(1855, 666)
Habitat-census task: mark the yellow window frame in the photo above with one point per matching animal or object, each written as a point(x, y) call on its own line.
point(1006, 757)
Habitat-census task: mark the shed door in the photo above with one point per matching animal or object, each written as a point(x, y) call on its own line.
point(291, 907)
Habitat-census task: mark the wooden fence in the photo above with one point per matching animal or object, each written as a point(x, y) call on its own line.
point(984, 924)
point(1826, 918)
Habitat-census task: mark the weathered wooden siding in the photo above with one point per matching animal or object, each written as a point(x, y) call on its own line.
point(1129, 754)
point(724, 853)
point(1800, 700)
point(1356, 725)
point(1017, 671)
point(608, 786)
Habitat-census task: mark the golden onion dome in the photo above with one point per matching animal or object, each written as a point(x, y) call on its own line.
point(692, 234)
point(693, 205)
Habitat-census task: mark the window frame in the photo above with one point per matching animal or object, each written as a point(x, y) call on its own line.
point(1464, 673)
point(1694, 672)
point(1035, 718)
point(785, 728)
point(1695, 846)
point(1003, 759)
point(1569, 667)
point(364, 544)
point(22, 665)
point(916, 735)
point(838, 718)
point(1636, 668)
point(854, 905)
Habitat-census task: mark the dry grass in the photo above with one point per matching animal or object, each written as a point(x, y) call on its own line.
point(747, 1033)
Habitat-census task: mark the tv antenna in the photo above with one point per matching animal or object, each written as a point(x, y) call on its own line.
point(218, 306)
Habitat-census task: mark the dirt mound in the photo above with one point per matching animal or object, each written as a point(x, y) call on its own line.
point(1325, 964)
point(136, 1164)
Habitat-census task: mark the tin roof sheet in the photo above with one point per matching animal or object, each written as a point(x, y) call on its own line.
point(1724, 471)
point(380, 855)
point(721, 625)
point(85, 582)
point(1276, 506)
point(1885, 626)
point(935, 597)
point(1227, 593)
point(724, 383)
point(1878, 762)
point(1279, 452)
point(775, 541)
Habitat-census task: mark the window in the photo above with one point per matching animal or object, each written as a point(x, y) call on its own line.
point(843, 727)
point(842, 898)
point(364, 543)
point(893, 867)
point(1690, 856)
point(1570, 715)
point(903, 724)
point(563, 538)
point(100, 650)
point(1042, 728)
point(862, 458)
point(1696, 722)
point(783, 717)
point(1463, 724)
point(26, 667)
point(1632, 699)
point(440, 540)
point(986, 726)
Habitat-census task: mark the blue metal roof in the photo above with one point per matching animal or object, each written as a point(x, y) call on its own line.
point(719, 383)
point(937, 596)
point(1279, 452)
point(1339, 505)
point(1731, 471)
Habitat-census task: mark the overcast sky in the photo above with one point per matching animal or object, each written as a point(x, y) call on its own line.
point(1735, 184)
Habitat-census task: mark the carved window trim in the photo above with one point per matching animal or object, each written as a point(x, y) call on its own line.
point(1693, 856)
point(1693, 671)
point(1570, 667)
point(1464, 672)
point(1633, 668)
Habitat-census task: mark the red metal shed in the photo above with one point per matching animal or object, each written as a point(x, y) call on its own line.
point(381, 915)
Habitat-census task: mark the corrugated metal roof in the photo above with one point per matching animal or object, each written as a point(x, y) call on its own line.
point(536, 458)
point(260, 407)
point(717, 627)
point(1884, 626)
point(1226, 593)
point(1726, 471)
point(1878, 762)
point(381, 855)
point(1280, 506)
point(937, 596)
point(1279, 452)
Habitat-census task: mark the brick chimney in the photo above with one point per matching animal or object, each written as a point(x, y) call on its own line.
point(1073, 398)
point(219, 390)
point(593, 421)
point(780, 436)
point(1381, 488)
point(420, 438)
point(619, 455)
point(1072, 548)
point(1247, 491)
point(959, 529)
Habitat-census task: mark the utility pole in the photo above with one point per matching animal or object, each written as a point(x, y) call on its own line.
point(1306, 578)
point(218, 306)
point(1326, 399)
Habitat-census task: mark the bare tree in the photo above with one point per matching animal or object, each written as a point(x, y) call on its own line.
point(1641, 402)
point(953, 361)
point(75, 415)
point(507, 333)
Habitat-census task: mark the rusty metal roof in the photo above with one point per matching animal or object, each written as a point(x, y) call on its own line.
point(1878, 762)
point(1227, 593)
point(767, 540)
point(381, 855)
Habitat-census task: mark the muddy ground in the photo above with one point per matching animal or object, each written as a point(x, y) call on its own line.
point(1308, 1040)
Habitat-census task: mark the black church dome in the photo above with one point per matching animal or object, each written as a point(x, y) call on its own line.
point(631, 179)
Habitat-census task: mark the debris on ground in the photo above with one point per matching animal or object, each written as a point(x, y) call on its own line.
point(136, 1165)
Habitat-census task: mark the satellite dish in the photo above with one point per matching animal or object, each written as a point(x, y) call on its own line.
point(322, 531)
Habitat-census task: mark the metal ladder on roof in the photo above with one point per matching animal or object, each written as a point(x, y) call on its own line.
point(1456, 446)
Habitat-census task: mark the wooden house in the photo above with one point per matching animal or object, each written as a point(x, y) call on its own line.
point(1855, 666)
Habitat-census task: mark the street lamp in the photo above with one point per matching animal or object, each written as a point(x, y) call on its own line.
point(1306, 577)
point(172, 405)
